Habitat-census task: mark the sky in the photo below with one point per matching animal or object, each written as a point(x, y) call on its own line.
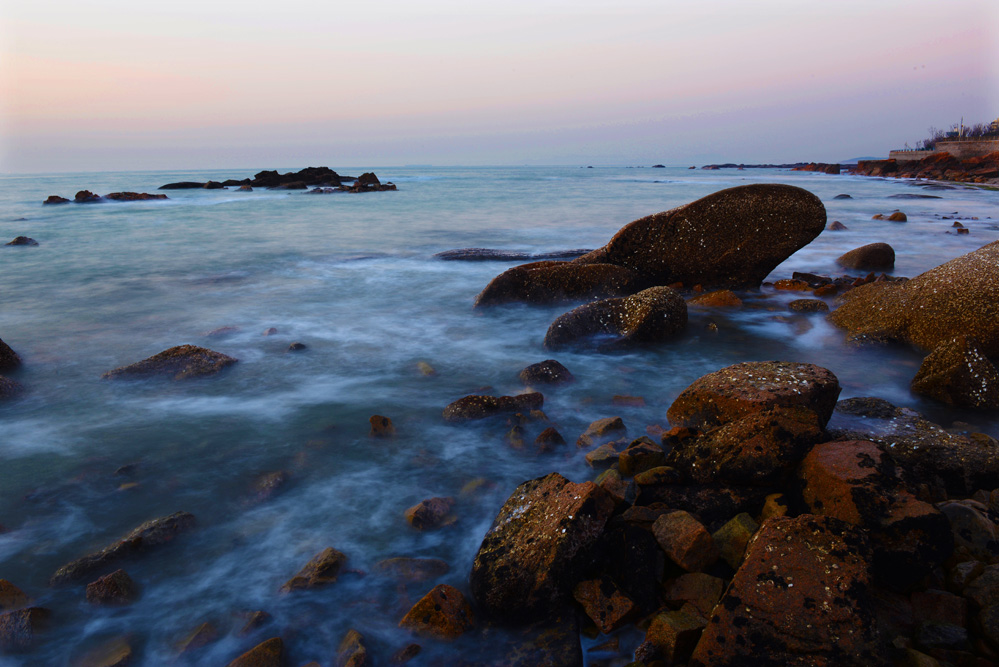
point(125, 85)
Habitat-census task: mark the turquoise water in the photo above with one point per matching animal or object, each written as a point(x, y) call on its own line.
point(353, 278)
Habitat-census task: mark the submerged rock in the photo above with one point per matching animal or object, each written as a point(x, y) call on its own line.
point(430, 513)
point(322, 570)
point(8, 358)
point(475, 407)
point(871, 257)
point(651, 315)
point(266, 654)
point(548, 372)
point(181, 362)
point(413, 569)
point(19, 629)
point(12, 597)
point(352, 651)
point(555, 282)
point(23, 241)
point(116, 588)
point(9, 388)
point(133, 196)
point(443, 613)
point(489, 254)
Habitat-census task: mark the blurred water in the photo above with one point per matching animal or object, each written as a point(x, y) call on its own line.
point(352, 277)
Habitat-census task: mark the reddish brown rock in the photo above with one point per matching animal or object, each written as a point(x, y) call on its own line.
point(537, 547)
point(837, 226)
point(799, 598)
point(615, 486)
point(413, 570)
point(549, 440)
point(718, 299)
point(116, 652)
point(86, 197)
point(604, 456)
point(55, 199)
point(641, 455)
point(754, 386)
point(548, 372)
point(604, 603)
point(203, 635)
point(151, 534)
point(180, 363)
point(19, 629)
point(958, 374)
point(8, 358)
point(733, 537)
point(323, 569)
point(430, 513)
point(791, 285)
point(405, 654)
point(898, 216)
point(871, 257)
point(808, 306)
point(652, 315)
point(116, 588)
point(674, 634)
point(557, 282)
point(713, 503)
point(12, 597)
point(266, 654)
point(685, 540)
point(381, 427)
point(269, 485)
point(702, 591)
point(601, 431)
point(352, 652)
point(476, 407)
point(443, 613)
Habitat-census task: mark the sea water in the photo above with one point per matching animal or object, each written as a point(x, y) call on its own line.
point(354, 278)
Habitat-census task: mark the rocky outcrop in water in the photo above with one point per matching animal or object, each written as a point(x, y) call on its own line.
point(490, 254)
point(555, 282)
point(23, 241)
point(548, 372)
point(940, 166)
point(822, 167)
point(652, 315)
point(181, 363)
point(871, 257)
point(8, 358)
point(133, 196)
point(471, 408)
point(323, 179)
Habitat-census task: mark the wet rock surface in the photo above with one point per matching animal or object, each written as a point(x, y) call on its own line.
point(23, 241)
point(557, 282)
point(180, 363)
point(9, 360)
point(958, 374)
point(443, 613)
point(322, 570)
point(548, 372)
point(471, 408)
point(19, 629)
point(871, 257)
point(490, 254)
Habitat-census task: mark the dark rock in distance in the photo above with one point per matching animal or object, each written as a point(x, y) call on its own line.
point(8, 358)
point(871, 257)
point(181, 363)
point(55, 199)
point(182, 185)
point(555, 282)
point(23, 240)
point(548, 372)
point(133, 196)
point(86, 197)
point(843, 196)
point(213, 185)
point(652, 315)
point(837, 226)
point(489, 254)
point(475, 407)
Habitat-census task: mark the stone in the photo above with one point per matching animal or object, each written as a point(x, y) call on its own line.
point(549, 440)
point(269, 653)
point(86, 197)
point(12, 597)
point(988, 620)
point(443, 613)
point(712, 503)
point(412, 570)
point(983, 590)
point(702, 591)
point(733, 537)
point(55, 199)
point(601, 431)
point(552, 641)
point(430, 513)
point(936, 606)
point(603, 456)
point(116, 652)
point(537, 548)
point(630, 556)
point(685, 540)
point(24, 241)
point(953, 299)
point(730, 239)
point(674, 634)
point(758, 449)
point(652, 315)
point(604, 603)
point(791, 285)
point(322, 570)
point(800, 597)
point(718, 299)
point(475, 407)
point(641, 455)
point(19, 629)
point(808, 306)
point(116, 588)
point(182, 185)
point(548, 372)
point(975, 535)
point(181, 363)
point(133, 196)
point(8, 358)
point(754, 386)
point(871, 257)
point(253, 622)
point(958, 374)
point(837, 226)
point(351, 652)
point(616, 487)
point(199, 637)
point(898, 216)
point(9, 388)
point(244, 188)
point(297, 347)
point(558, 282)
point(405, 654)
point(381, 427)
point(940, 636)
point(151, 534)
point(269, 485)
point(776, 504)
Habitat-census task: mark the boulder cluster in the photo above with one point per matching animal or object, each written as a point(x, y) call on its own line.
point(321, 179)
point(940, 166)
point(88, 197)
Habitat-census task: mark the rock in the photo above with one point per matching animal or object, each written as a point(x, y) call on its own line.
point(297, 347)
point(701, 591)
point(718, 299)
point(133, 196)
point(116, 652)
point(413, 570)
point(553, 641)
point(548, 372)
point(958, 374)
point(674, 634)
point(19, 629)
point(983, 590)
point(549, 440)
point(475, 407)
point(181, 362)
point(86, 197)
point(430, 513)
point(55, 199)
point(975, 535)
point(652, 315)
point(352, 652)
point(12, 597)
point(266, 654)
point(8, 358)
point(988, 620)
point(253, 622)
point(871, 257)
point(938, 606)
point(897, 216)
point(443, 613)
point(213, 185)
point(800, 597)
point(730, 239)
point(758, 449)
point(604, 603)
point(367, 180)
point(381, 427)
point(837, 226)
point(951, 300)
point(808, 306)
point(23, 240)
point(182, 185)
point(269, 485)
point(939, 636)
point(791, 285)
point(733, 537)
point(602, 431)
point(322, 570)
point(405, 654)
point(712, 503)
point(116, 588)
point(199, 637)
point(244, 188)
point(685, 540)
point(537, 548)
point(9, 388)
point(488, 254)
point(754, 386)
point(426, 369)
point(149, 535)
point(641, 455)
point(557, 282)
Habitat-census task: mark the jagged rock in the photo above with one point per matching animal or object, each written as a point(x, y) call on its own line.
point(604, 603)
point(12, 597)
point(430, 513)
point(133, 196)
point(733, 537)
point(701, 591)
point(557, 282)
point(23, 241)
point(181, 362)
point(266, 654)
point(151, 534)
point(55, 199)
point(537, 548)
point(8, 358)
point(754, 386)
point(871, 257)
point(602, 431)
point(958, 374)
point(733, 238)
point(954, 299)
point(548, 372)
point(443, 613)
point(685, 540)
point(352, 652)
point(412, 569)
point(19, 629)
point(549, 440)
point(799, 598)
point(674, 634)
point(86, 197)
point(116, 588)
point(475, 407)
point(322, 570)
point(652, 315)
point(641, 455)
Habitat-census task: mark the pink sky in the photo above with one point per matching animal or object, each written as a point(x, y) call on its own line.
point(121, 85)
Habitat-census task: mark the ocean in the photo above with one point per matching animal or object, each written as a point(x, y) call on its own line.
point(354, 278)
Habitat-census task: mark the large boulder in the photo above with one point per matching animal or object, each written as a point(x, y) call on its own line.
point(958, 374)
point(960, 297)
point(732, 238)
point(753, 386)
point(651, 315)
point(799, 598)
point(8, 358)
point(538, 547)
point(181, 362)
point(554, 282)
